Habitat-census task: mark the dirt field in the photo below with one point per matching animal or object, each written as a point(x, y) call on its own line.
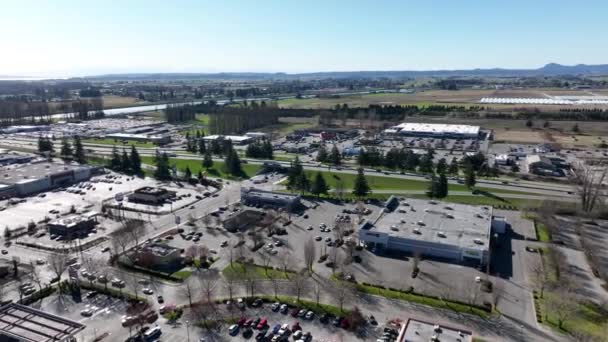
point(519, 136)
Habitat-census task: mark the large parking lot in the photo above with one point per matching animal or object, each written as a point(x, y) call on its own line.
point(83, 196)
point(320, 326)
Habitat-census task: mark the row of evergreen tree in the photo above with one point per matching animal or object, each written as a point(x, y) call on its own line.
point(126, 163)
point(260, 149)
point(297, 180)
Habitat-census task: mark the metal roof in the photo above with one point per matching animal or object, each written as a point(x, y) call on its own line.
point(28, 324)
point(411, 127)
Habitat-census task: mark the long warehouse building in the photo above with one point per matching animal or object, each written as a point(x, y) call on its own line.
point(434, 130)
point(435, 229)
point(27, 179)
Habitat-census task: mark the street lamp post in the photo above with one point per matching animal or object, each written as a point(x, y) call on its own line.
point(188, 330)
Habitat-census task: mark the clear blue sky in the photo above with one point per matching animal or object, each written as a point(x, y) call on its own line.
point(63, 37)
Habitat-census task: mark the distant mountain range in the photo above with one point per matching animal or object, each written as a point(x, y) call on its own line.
point(551, 69)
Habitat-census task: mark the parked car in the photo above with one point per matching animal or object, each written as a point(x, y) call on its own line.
point(284, 308)
point(233, 329)
point(275, 306)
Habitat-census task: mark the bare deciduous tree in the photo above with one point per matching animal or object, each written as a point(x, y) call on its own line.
point(229, 286)
point(250, 284)
point(57, 263)
point(563, 306)
point(266, 259)
point(297, 282)
point(136, 229)
point(317, 291)
point(275, 286)
point(539, 279)
point(310, 254)
point(188, 290)
point(590, 182)
point(286, 261)
point(345, 292)
point(208, 287)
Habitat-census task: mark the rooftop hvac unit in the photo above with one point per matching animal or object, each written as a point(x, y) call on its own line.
point(478, 241)
point(441, 234)
point(420, 223)
point(417, 231)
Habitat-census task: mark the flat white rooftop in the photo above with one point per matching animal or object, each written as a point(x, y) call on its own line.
point(235, 138)
point(439, 222)
point(410, 127)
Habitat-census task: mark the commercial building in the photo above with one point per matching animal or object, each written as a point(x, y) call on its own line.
point(256, 135)
point(262, 198)
point(72, 227)
point(151, 195)
point(14, 158)
point(21, 129)
point(235, 139)
point(435, 229)
point(159, 139)
point(159, 254)
point(243, 220)
point(25, 324)
point(434, 130)
point(545, 166)
point(27, 179)
point(421, 331)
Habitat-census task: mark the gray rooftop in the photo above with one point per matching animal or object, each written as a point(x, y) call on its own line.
point(439, 222)
point(16, 174)
point(253, 192)
point(420, 331)
point(27, 324)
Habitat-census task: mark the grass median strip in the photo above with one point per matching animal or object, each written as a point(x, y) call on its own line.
point(195, 165)
point(421, 299)
point(240, 271)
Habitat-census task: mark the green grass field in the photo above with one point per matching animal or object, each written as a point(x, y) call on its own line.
point(217, 170)
point(118, 143)
point(239, 271)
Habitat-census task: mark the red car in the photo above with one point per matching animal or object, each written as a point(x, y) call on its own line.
point(241, 321)
point(345, 324)
point(262, 324)
point(249, 323)
point(295, 311)
point(296, 326)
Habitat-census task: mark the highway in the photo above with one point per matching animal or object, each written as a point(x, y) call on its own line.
point(550, 190)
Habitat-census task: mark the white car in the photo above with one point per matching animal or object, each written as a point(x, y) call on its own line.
point(478, 279)
point(284, 329)
point(147, 291)
point(275, 306)
point(309, 228)
point(233, 329)
point(87, 312)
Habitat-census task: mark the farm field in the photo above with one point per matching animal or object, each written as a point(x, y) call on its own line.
point(425, 98)
point(113, 101)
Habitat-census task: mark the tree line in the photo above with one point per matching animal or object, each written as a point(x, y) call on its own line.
point(15, 111)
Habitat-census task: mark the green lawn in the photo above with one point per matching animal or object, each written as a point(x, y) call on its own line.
point(542, 233)
point(217, 170)
point(240, 271)
point(116, 142)
point(416, 298)
point(588, 318)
